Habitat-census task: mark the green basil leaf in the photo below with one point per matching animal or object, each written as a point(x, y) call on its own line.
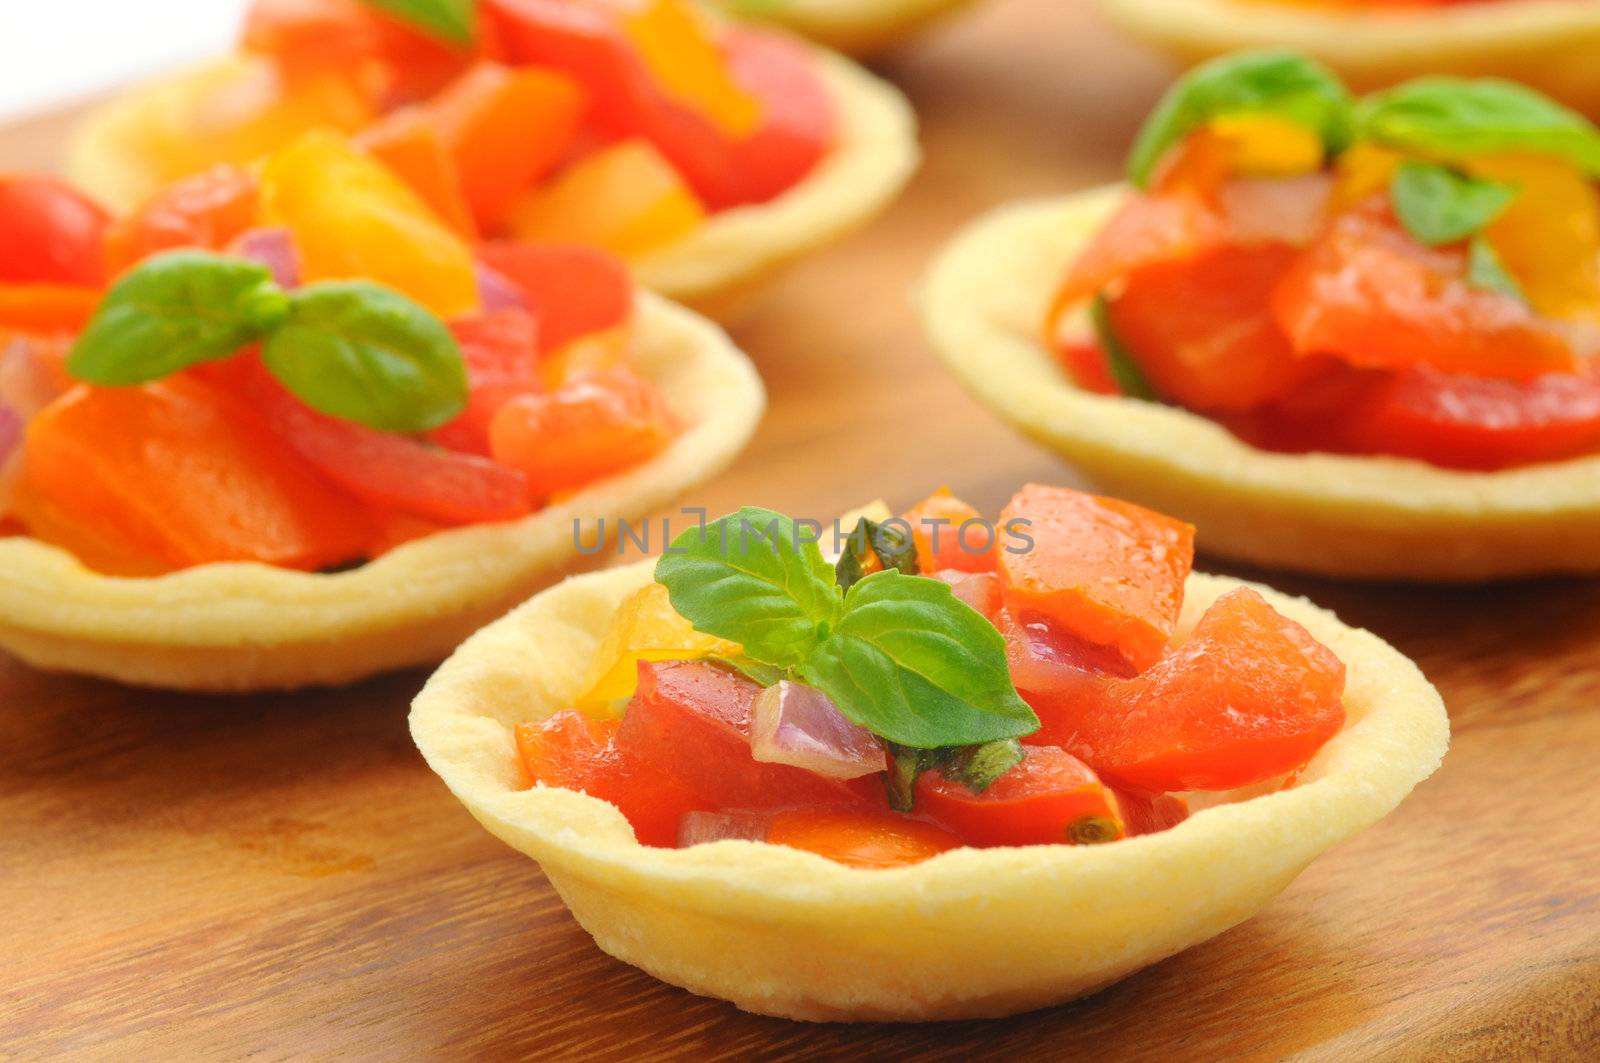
point(172, 311)
point(1283, 84)
point(913, 664)
point(1439, 205)
point(893, 547)
point(975, 767)
point(1485, 270)
point(1458, 117)
point(1120, 362)
point(455, 21)
point(753, 578)
point(365, 353)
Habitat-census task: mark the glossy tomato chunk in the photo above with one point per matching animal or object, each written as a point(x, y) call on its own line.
point(1107, 571)
point(1051, 797)
point(951, 535)
point(691, 719)
point(573, 291)
point(574, 752)
point(183, 472)
point(50, 233)
point(798, 122)
point(501, 352)
point(1249, 695)
point(205, 210)
point(859, 838)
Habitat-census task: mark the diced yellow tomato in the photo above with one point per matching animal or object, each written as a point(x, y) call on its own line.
point(676, 44)
point(1363, 170)
point(505, 127)
point(406, 141)
point(1549, 237)
point(645, 628)
point(351, 217)
point(625, 198)
point(1261, 145)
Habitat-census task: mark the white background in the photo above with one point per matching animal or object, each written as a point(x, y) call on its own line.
point(55, 51)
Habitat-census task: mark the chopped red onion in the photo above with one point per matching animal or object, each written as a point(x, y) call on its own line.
point(1046, 660)
point(698, 828)
point(798, 725)
point(980, 590)
point(495, 292)
point(272, 248)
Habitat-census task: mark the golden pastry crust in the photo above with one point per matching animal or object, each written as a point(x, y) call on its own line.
point(237, 627)
point(784, 932)
point(856, 27)
point(1548, 44)
point(709, 270)
point(983, 306)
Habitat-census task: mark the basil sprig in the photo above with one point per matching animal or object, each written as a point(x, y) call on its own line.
point(351, 349)
point(1458, 117)
point(887, 545)
point(1282, 84)
point(1120, 362)
point(455, 21)
point(1439, 205)
point(899, 655)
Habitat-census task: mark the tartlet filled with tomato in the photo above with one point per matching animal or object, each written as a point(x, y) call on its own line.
point(1548, 44)
point(1354, 337)
point(285, 426)
point(706, 154)
point(847, 790)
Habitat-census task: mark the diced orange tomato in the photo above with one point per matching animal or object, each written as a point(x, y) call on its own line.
point(46, 308)
point(1052, 797)
point(406, 141)
point(1248, 695)
point(96, 546)
point(1371, 296)
point(204, 210)
point(1201, 327)
point(385, 469)
point(351, 217)
point(184, 472)
point(591, 427)
point(505, 128)
point(50, 233)
point(1105, 570)
point(858, 838)
point(573, 752)
point(691, 720)
point(937, 529)
point(645, 628)
point(311, 36)
point(502, 358)
point(625, 198)
point(574, 291)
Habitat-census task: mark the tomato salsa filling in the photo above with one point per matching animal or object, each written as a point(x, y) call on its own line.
point(302, 364)
point(894, 704)
point(619, 124)
point(1415, 273)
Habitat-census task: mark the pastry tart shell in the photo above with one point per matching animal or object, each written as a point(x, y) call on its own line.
point(856, 27)
point(1548, 44)
point(248, 626)
point(984, 305)
point(970, 933)
point(712, 269)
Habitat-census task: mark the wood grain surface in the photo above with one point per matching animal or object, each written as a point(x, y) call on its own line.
point(282, 877)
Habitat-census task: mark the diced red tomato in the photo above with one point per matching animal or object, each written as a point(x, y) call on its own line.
point(574, 291)
point(185, 473)
point(1085, 362)
point(311, 36)
point(1105, 570)
point(1144, 231)
point(1052, 797)
point(502, 358)
point(980, 590)
point(50, 233)
point(385, 469)
point(691, 720)
point(595, 426)
point(798, 117)
point(505, 128)
point(1369, 294)
point(1143, 814)
point(859, 838)
point(571, 751)
point(205, 210)
point(1202, 331)
point(950, 534)
point(1249, 695)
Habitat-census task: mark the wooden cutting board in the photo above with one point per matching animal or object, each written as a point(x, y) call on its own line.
point(281, 876)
